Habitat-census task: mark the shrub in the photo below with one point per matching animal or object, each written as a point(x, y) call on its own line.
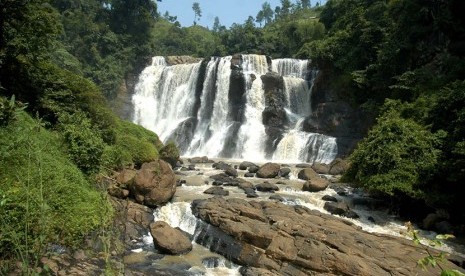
point(397, 156)
point(44, 197)
point(85, 146)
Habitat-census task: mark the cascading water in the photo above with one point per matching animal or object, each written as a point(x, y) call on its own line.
point(210, 135)
point(164, 96)
point(252, 136)
point(168, 101)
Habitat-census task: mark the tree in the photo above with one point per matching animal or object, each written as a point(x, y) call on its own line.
point(216, 25)
point(305, 4)
point(259, 18)
point(267, 12)
point(197, 12)
point(286, 6)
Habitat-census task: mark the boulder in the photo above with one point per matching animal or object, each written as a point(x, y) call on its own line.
point(338, 166)
point(221, 166)
point(223, 179)
point(244, 165)
point(277, 198)
point(336, 208)
point(329, 198)
point(253, 169)
point(154, 184)
point(284, 172)
point(118, 192)
point(266, 187)
point(216, 191)
point(269, 170)
point(250, 192)
point(307, 173)
point(315, 185)
point(249, 174)
point(321, 168)
point(231, 171)
point(126, 177)
point(168, 239)
point(202, 159)
point(303, 165)
point(245, 184)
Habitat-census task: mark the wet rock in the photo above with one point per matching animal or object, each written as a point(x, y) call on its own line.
point(253, 169)
point(191, 167)
point(266, 187)
point(216, 191)
point(351, 214)
point(202, 159)
point(154, 184)
point(284, 172)
point(249, 175)
point(211, 262)
point(250, 192)
point(340, 208)
point(223, 179)
point(370, 218)
point(315, 185)
point(245, 184)
point(244, 165)
point(303, 165)
point(269, 170)
point(307, 173)
point(329, 198)
point(338, 166)
point(168, 239)
point(221, 166)
point(444, 227)
point(231, 172)
point(277, 198)
point(321, 168)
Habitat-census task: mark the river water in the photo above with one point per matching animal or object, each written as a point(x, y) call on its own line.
point(201, 261)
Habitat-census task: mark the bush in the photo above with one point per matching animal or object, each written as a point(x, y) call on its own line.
point(44, 197)
point(85, 146)
point(397, 156)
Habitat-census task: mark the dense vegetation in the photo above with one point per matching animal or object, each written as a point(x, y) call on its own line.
point(57, 133)
point(62, 60)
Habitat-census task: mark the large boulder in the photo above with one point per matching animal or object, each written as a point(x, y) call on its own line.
point(168, 239)
point(321, 168)
point(307, 173)
point(215, 190)
point(266, 187)
point(269, 170)
point(126, 177)
point(315, 185)
point(154, 184)
point(281, 239)
point(338, 166)
point(244, 165)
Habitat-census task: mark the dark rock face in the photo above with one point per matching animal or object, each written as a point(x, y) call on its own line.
point(329, 198)
point(168, 239)
point(269, 170)
point(184, 133)
point(154, 184)
point(333, 115)
point(270, 238)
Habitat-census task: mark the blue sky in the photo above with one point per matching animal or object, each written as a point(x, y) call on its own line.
point(228, 11)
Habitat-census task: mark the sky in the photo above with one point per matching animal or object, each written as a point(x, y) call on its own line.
point(228, 11)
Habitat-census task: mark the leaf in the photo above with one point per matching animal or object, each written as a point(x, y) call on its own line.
point(445, 237)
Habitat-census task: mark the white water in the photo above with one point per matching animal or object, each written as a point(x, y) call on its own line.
point(165, 96)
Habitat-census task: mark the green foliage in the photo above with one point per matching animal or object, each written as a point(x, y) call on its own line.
point(134, 145)
point(431, 259)
point(397, 156)
point(85, 146)
point(44, 197)
point(9, 110)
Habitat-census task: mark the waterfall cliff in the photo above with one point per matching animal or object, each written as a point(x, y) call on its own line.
point(242, 106)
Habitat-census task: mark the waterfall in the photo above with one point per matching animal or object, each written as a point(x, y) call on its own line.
point(191, 104)
point(297, 144)
point(210, 135)
point(252, 136)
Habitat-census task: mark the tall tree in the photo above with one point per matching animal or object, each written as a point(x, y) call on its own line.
point(197, 12)
point(216, 24)
point(267, 12)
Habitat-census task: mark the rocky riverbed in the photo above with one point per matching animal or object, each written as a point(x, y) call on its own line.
point(240, 218)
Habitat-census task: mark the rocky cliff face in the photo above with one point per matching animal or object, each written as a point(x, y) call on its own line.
point(333, 115)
